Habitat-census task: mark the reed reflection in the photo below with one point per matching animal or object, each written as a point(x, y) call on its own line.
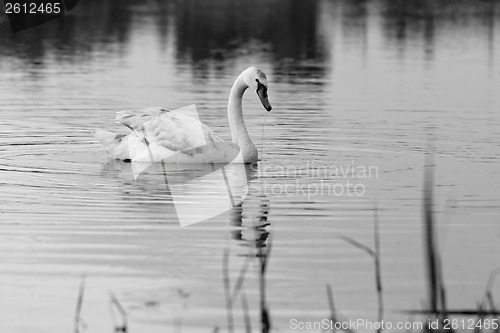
point(222, 29)
point(92, 26)
point(210, 34)
point(408, 22)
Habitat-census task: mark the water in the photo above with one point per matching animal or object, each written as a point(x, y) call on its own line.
point(353, 84)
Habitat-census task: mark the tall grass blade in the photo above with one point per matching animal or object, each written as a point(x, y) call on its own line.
point(79, 303)
point(264, 261)
point(227, 290)
point(331, 306)
point(378, 273)
point(436, 287)
point(375, 254)
point(115, 304)
point(246, 313)
point(241, 278)
point(429, 238)
point(357, 244)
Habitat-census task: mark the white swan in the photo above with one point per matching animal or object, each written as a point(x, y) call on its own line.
point(158, 134)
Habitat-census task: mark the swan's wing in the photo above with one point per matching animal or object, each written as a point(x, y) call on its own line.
point(134, 119)
point(169, 129)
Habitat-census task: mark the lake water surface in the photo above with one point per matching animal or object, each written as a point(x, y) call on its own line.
point(355, 85)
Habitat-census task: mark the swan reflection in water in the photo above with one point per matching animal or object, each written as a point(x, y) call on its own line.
point(199, 192)
point(255, 220)
point(194, 193)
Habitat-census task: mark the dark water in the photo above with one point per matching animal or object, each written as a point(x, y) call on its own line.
point(354, 85)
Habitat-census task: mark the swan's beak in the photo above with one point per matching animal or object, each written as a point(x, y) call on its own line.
point(262, 93)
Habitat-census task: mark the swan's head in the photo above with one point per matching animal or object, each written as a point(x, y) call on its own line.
point(257, 81)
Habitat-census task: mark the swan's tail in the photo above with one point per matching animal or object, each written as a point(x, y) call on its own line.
point(114, 143)
point(106, 138)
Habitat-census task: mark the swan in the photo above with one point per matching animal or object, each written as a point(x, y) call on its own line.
point(158, 134)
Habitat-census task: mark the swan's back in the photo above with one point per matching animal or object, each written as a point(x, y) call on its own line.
point(160, 134)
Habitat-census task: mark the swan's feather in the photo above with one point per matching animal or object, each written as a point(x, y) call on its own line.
point(161, 132)
point(116, 144)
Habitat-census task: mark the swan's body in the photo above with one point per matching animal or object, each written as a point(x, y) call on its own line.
point(158, 134)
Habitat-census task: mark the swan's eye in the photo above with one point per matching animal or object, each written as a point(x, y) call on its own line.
point(257, 80)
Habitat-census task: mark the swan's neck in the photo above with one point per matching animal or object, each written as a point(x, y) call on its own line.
point(239, 131)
